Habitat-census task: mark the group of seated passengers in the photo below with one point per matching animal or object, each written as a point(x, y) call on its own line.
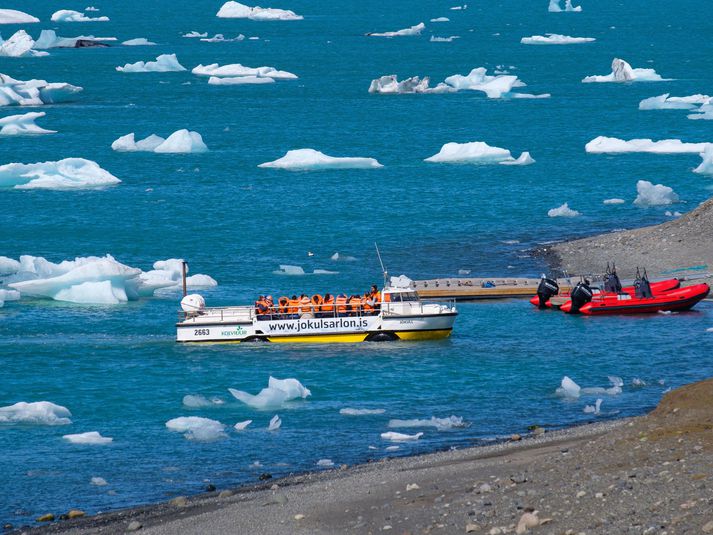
point(319, 307)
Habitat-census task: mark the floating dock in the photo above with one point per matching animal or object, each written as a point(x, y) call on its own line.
point(471, 289)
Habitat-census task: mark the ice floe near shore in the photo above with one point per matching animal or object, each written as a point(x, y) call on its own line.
point(20, 45)
point(13, 16)
point(706, 166)
point(649, 194)
point(49, 39)
point(35, 413)
point(69, 15)
point(197, 428)
point(563, 211)
point(666, 102)
point(236, 10)
point(139, 41)
point(441, 424)
point(278, 392)
point(69, 173)
point(163, 63)
point(393, 436)
point(180, 142)
point(571, 390)
point(93, 438)
point(406, 32)
point(623, 72)
point(612, 145)
point(23, 125)
point(234, 70)
point(555, 39)
point(477, 152)
point(555, 7)
point(310, 159)
point(34, 92)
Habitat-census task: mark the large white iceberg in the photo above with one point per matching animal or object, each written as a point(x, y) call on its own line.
point(13, 16)
point(310, 159)
point(476, 152)
point(69, 15)
point(236, 10)
point(555, 7)
point(278, 391)
point(649, 194)
point(20, 45)
point(237, 70)
point(479, 80)
point(22, 125)
point(623, 72)
point(612, 145)
point(37, 413)
point(562, 211)
point(413, 30)
point(93, 438)
point(390, 85)
point(555, 39)
point(69, 173)
point(706, 166)
point(34, 92)
point(666, 102)
point(181, 141)
point(197, 428)
point(163, 63)
point(49, 39)
point(139, 41)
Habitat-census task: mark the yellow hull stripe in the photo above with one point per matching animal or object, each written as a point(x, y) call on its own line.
point(319, 339)
point(423, 335)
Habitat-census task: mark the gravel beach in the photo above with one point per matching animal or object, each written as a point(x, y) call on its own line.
point(647, 475)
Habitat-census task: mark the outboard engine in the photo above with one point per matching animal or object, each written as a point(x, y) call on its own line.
point(193, 304)
point(612, 284)
point(547, 288)
point(581, 295)
point(642, 287)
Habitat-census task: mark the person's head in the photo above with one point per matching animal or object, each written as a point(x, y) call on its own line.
point(327, 295)
point(269, 298)
point(261, 297)
point(302, 296)
point(294, 296)
point(374, 288)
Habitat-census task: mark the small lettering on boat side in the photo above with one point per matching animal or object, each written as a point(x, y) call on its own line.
point(201, 332)
point(237, 331)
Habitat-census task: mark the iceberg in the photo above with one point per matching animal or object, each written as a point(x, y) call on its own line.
point(476, 152)
point(91, 437)
point(49, 39)
point(197, 428)
point(220, 38)
point(34, 92)
point(649, 194)
point(35, 413)
point(706, 166)
point(139, 41)
point(275, 423)
point(242, 426)
point(479, 80)
point(563, 211)
point(568, 388)
point(555, 39)
point(612, 145)
point(98, 482)
point(441, 19)
point(390, 85)
point(90, 8)
point(310, 159)
point(523, 159)
point(180, 142)
point(241, 80)
point(450, 39)
point(13, 16)
point(441, 424)
point(236, 70)
point(68, 15)
point(8, 295)
point(400, 437)
point(22, 125)
point(666, 102)
point(705, 112)
point(594, 409)
point(336, 257)
point(20, 45)
point(278, 392)
point(69, 173)
point(163, 63)
point(198, 401)
point(623, 72)
point(614, 201)
point(325, 463)
point(555, 7)
point(195, 34)
point(348, 411)
point(236, 10)
point(413, 30)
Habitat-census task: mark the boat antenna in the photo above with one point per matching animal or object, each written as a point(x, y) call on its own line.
point(383, 269)
point(184, 268)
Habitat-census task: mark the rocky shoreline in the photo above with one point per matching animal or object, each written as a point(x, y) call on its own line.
point(647, 475)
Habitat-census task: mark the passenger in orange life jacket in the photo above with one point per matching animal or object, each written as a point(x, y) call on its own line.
point(305, 305)
point(261, 308)
point(367, 304)
point(317, 301)
point(328, 306)
point(283, 306)
point(270, 306)
point(355, 305)
point(341, 304)
point(376, 297)
point(293, 307)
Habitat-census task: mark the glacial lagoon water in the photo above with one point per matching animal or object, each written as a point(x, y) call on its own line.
point(118, 369)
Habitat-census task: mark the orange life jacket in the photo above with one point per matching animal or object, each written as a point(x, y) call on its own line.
point(355, 304)
point(263, 307)
point(376, 296)
point(328, 305)
point(305, 305)
point(317, 301)
point(294, 306)
point(283, 301)
point(342, 304)
point(365, 304)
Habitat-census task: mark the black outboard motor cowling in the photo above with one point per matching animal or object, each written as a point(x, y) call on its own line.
point(547, 288)
point(581, 295)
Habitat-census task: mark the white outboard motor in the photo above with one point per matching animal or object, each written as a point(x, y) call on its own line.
point(193, 304)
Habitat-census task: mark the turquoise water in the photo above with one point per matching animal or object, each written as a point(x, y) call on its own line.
point(117, 368)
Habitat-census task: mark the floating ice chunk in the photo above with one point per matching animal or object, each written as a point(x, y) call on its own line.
point(182, 141)
point(198, 401)
point(666, 102)
point(555, 39)
point(523, 159)
point(90, 8)
point(568, 388)
point(33, 92)
point(139, 41)
point(459, 8)
point(348, 411)
point(441, 424)
point(49, 39)
point(22, 125)
point(413, 30)
point(197, 428)
point(163, 63)
point(613, 201)
point(615, 380)
point(638, 382)
point(526, 95)
point(555, 7)
point(479, 80)
point(400, 437)
point(392, 448)
point(36, 413)
point(277, 392)
point(8, 295)
point(594, 409)
point(9, 266)
point(68, 15)
point(310, 160)
point(441, 19)
point(220, 38)
point(195, 34)
point(241, 80)
point(13, 16)
point(563, 211)
point(237, 70)
point(128, 143)
point(612, 145)
point(649, 194)
point(92, 437)
point(390, 85)
point(450, 39)
point(706, 166)
point(336, 257)
point(98, 482)
point(463, 272)
point(242, 426)
point(20, 45)
point(70, 173)
point(598, 390)
point(623, 72)
point(705, 112)
point(200, 281)
point(236, 10)
point(326, 463)
point(476, 152)
point(275, 423)
point(287, 269)
point(292, 387)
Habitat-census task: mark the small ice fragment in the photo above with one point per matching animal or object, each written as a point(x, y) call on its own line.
point(569, 388)
point(623, 72)
point(441, 424)
point(615, 381)
point(706, 165)
point(196, 401)
point(98, 482)
point(197, 428)
point(236, 10)
point(400, 437)
point(336, 257)
point(523, 159)
point(638, 382)
point(36, 413)
point(91, 437)
point(22, 125)
point(275, 423)
point(406, 32)
point(614, 201)
point(441, 19)
point(612, 145)
point(563, 211)
point(287, 269)
point(68, 15)
point(392, 448)
point(241, 426)
point(649, 194)
point(310, 159)
point(476, 152)
point(360, 412)
point(594, 409)
point(163, 63)
point(139, 41)
point(555, 39)
point(325, 462)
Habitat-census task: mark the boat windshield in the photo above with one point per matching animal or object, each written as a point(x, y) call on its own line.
point(404, 296)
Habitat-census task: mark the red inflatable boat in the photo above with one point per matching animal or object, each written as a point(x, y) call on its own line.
point(656, 287)
point(672, 300)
